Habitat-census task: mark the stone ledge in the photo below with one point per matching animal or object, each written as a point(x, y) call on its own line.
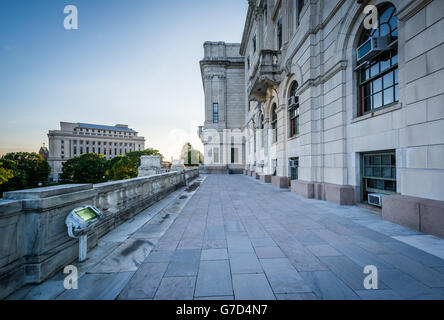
point(265, 178)
point(280, 182)
point(343, 195)
point(424, 215)
point(46, 192)
point(303, 188)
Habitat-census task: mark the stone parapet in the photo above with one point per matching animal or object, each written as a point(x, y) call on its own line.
point(32, 222)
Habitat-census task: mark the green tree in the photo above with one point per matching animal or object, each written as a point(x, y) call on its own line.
point(123, 168)
point(88, 168)
point(135, 156)
point(5, 174)
point(15, 178)
point(33, 165)
point(67, 175)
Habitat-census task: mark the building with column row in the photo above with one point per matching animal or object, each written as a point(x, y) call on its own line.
point(75, 139)
point(341, 105)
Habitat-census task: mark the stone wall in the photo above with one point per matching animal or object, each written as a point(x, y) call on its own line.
point(34, 243)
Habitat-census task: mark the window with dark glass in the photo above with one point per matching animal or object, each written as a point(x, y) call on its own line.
point(378, 75)
point(261, 126)
point(294, 168)
point(265, 8)
point(293, 109)
point(279, 33)
point(379, 172)
point(300, 7)
point(254, 43)
point(274, 123)
point(215, 112)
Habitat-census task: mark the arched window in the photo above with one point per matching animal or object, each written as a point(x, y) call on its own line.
point(378, 63)
point(293, 109)
point(274, 123)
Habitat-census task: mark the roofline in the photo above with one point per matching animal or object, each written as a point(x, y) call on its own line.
point(247, 27)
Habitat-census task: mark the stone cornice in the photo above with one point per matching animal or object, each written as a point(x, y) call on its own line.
point(411, 8)
point(247, 28)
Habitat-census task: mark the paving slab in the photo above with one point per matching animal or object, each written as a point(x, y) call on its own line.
point(214, 279)
point(245, 263)
point(214, 254)
point(327, 286)
point(176, 288)
point(144, 283)
point(283, 277)
point(183, 263)
point(323, 250)
point(269, 252)
point(252, 287)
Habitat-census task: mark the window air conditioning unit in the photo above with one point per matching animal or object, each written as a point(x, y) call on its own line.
point(373, 46)
point(375, 199)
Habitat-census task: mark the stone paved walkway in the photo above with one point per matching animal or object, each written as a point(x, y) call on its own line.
point(237, 238)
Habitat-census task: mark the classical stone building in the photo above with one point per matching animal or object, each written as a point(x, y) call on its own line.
point(341, 106)
point(75, 139)
point(223, 77)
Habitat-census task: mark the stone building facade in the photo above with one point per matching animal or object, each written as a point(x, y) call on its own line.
point(75, 139)
point(340, 107)
point(223, 77)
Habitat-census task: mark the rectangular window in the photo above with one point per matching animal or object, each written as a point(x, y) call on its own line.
point(216, 155)
point(378, 83)
point(301, 4)
point(234, 155)
point(378, 173)
point(293, 113)
point(294, 168)
point(279, 33)
point(215, 112)
point(254, 43)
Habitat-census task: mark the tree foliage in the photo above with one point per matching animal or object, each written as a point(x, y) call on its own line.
point(35, 168)
point(123, 168)
point(5, 174)
point(88, 168)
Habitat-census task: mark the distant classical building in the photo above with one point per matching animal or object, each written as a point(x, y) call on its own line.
point(339, 107)
point(75, 139)
point(223, 78)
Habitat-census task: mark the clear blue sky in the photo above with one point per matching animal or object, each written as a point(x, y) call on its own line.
point(131, 61)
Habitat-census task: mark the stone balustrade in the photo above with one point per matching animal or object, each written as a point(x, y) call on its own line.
point(34, 243)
